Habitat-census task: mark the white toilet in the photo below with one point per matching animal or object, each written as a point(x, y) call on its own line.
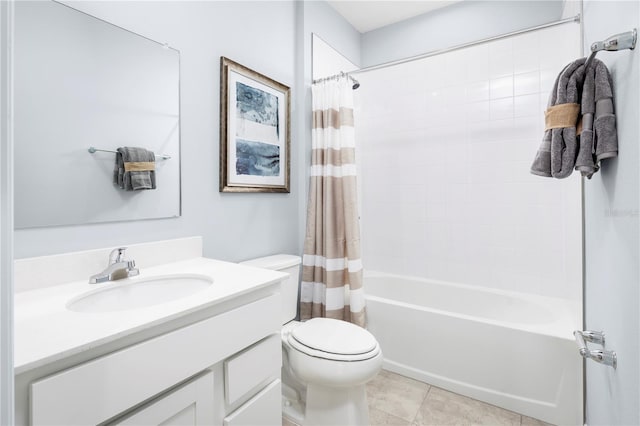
point(326, 362)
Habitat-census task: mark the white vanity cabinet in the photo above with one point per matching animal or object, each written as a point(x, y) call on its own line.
point(224, 369)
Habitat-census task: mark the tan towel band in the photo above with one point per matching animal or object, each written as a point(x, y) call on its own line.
point(560, 116)
point(579, 127)
point(139, 166)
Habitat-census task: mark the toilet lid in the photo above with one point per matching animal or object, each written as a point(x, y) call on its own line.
point(334, 336)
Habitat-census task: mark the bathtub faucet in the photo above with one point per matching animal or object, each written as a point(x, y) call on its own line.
point(598, 355)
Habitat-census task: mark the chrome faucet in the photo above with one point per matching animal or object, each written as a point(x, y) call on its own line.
point(117, 269)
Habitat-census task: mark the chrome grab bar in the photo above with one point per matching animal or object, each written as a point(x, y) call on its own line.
point(598, 355)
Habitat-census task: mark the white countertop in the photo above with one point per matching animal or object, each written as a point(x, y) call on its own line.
point(46, 331)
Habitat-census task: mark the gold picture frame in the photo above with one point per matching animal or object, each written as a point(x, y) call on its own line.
point(255, 131)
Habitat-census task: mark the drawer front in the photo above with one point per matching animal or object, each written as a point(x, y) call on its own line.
point(264, 409)
point(253, 366)
point(107, 386)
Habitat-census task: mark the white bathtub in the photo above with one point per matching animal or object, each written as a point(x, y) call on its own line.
point(512, 350)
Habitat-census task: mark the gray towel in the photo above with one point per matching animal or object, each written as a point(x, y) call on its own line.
point(557, 154)
point(134, 180)
point(562, 149)
point(599, 138)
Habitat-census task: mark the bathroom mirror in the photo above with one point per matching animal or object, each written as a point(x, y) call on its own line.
point(81, 82)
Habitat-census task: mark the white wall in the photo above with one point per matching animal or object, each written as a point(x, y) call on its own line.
point(6, 214)
point(327, 61)
point(460, 23)
point(446, 144)
point(260, 35)
point(612, 228)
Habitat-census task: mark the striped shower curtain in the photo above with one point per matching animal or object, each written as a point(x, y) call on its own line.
point(331, 264)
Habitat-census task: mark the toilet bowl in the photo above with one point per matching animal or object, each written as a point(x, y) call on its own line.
point(326, 362)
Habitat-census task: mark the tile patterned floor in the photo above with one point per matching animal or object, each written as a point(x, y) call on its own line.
point(395, 400)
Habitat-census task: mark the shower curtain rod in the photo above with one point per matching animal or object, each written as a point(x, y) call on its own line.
point(355, 82)
point(575, 18)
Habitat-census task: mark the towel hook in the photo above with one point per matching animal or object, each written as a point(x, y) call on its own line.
point(622, 41)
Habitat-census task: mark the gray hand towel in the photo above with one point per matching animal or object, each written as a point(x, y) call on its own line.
point(133, 180)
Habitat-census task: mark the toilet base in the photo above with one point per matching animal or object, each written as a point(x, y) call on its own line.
point(336, 406)
point(292, 404)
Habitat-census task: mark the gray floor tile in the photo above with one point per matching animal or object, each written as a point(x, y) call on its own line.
point(287, 422)
point(381, 418)
point(396, 395)
point(529, 421)
point(395, 400)
point(441, 407)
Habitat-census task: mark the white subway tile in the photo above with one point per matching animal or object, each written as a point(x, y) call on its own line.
point(501, 127)
point(477, 111)
point(478, 132)
point(477, 63)
point(527, 83)
point(527, 106)
point(501, 87)
point(454, 95)
point(526, 60)
point(500, 46)
point(547, 79)
point(477, 91)
point(452, 170)
point(501, 65)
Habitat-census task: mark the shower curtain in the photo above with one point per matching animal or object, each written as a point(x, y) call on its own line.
point(331, 263)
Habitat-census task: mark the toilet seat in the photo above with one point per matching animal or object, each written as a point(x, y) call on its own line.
point(333, 340)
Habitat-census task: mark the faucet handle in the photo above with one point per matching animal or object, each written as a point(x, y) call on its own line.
point(117, 255)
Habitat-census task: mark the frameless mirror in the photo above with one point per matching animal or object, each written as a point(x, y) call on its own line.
point(81, 82)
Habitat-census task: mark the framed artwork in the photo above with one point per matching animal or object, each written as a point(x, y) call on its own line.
point(254, 131)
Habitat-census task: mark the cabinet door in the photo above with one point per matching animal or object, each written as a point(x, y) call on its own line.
point(189, 405)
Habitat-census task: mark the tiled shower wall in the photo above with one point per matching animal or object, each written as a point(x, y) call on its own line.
point(445, 145)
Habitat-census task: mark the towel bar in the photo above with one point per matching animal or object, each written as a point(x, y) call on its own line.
point(601, 356)
point(93, 150)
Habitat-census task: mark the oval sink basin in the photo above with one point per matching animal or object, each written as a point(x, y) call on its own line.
point(139, 293)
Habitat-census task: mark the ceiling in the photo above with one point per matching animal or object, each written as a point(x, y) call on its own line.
point(367, 15)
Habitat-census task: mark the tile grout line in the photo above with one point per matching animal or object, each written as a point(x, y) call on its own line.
point(421, 404)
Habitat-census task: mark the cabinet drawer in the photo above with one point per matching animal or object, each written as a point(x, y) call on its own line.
point(107, 386)
point(264, 409)
point(254, 366)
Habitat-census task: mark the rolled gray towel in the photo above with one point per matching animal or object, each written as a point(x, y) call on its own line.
point(599, 137)
point(134, 169)
point(542, 162)
point(605, 119)
point(564, 145)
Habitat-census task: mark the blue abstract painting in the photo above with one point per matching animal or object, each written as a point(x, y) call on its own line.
point(257, 158)
point(257, 106)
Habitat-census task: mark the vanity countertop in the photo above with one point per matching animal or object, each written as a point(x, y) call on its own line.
point(46, 331)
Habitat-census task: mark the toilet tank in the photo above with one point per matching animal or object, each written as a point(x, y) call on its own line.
point(283, 263)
